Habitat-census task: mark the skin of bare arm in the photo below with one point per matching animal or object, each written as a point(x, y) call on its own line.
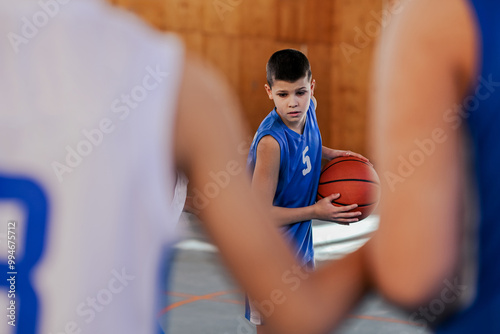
point(422, 70)
point(249, 243)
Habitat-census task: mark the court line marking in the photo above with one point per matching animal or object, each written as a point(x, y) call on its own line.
point(211, 296)
point(194, 298)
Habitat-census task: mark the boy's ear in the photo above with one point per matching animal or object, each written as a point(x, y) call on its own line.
point(313, 85)
point(269, 91)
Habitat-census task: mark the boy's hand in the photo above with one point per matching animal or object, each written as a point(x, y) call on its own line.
point(325, 210)
point(329, 154)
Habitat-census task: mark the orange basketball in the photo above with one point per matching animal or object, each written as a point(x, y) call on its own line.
point(355, 180)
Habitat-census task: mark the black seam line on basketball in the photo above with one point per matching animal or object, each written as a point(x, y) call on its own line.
point(341, 180)
point(344, 161)
point(359, 205)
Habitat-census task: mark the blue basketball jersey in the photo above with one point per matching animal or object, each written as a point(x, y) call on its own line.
point(300, 167)
point(483, 120)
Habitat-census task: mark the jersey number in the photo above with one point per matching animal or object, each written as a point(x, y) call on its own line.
point(307, 161)
point(35, 206)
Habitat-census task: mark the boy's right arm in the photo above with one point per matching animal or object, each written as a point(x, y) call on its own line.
point(264, 184)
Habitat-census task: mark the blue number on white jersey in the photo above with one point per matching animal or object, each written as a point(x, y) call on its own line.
point(35, 205)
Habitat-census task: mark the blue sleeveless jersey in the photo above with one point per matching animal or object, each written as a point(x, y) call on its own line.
point(483, 120)
point(300, 167)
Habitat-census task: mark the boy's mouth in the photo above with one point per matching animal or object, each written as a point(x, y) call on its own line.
point(294, 113)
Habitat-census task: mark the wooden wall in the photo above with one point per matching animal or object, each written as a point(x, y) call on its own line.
point(238, 37)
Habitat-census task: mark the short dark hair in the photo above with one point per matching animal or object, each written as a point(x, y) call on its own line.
point(288, 65)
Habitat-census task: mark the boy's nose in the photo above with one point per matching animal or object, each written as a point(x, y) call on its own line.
point(293, 103)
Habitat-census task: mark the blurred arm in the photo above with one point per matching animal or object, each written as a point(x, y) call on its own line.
point(422, 71)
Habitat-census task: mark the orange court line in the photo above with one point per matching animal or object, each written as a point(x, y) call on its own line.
point(179, 294)
point(230, 301)
point(194, 298)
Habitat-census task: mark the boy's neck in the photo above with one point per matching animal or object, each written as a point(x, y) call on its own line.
point(297, 127)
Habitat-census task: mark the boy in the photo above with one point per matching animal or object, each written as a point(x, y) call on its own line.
point(285, 159)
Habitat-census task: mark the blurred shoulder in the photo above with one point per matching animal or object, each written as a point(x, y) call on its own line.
point(446, 29)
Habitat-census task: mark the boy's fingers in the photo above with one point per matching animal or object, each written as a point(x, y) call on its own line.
point(360, 156)
point(357, 155)
point(341, 208)
point(333, 196)
point(347, 214)
point(346, 208)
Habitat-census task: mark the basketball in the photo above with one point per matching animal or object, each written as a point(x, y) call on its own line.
point(355, 180)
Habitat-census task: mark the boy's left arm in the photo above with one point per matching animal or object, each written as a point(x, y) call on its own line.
point(330, 153)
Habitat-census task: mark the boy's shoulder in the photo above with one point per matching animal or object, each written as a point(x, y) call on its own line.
point(271, 122)
point(271, 126)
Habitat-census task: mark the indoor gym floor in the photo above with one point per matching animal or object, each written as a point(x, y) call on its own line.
point(203, 298)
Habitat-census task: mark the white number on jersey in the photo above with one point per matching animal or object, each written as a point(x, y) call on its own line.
point(307, 161)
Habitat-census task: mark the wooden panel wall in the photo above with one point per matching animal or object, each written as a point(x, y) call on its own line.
point(238, 36)
point(355, 33)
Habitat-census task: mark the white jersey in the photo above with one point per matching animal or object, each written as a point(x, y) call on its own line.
point(88, 95)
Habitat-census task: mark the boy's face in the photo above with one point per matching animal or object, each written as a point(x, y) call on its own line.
point(292, 100)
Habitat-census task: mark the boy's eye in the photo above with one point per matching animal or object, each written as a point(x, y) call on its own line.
point(301, 93)
point(282, 94)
